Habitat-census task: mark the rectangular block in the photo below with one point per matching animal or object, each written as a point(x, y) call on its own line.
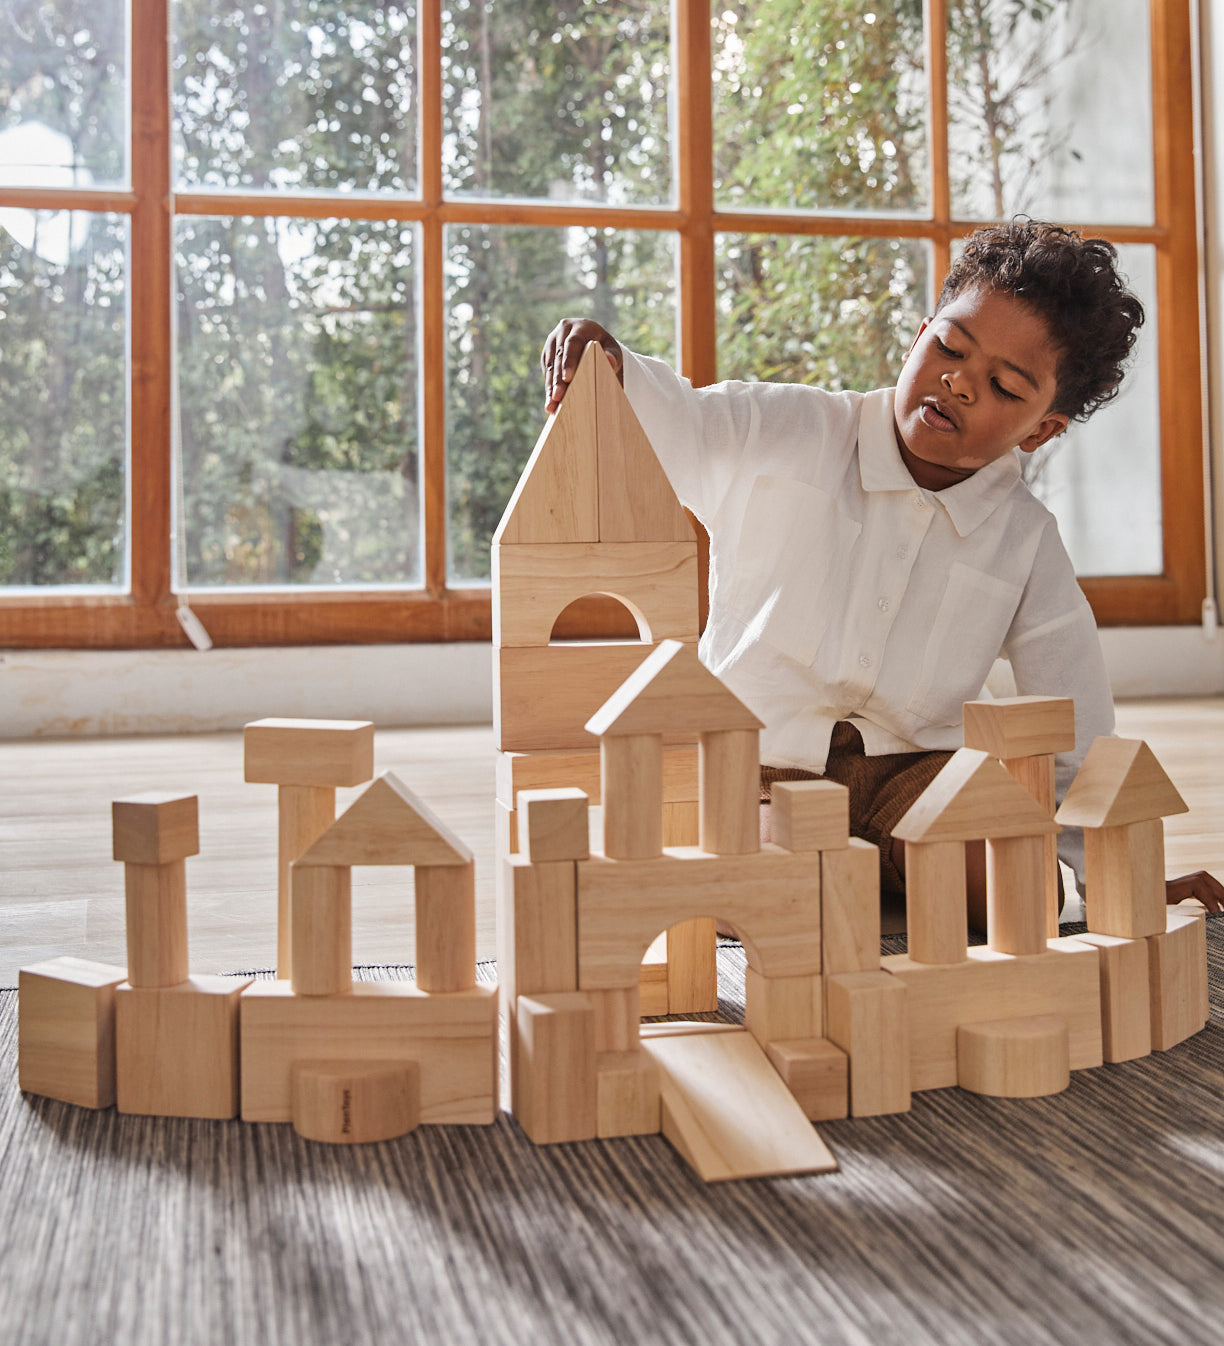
point(308, 752)
point(866, 1016)
point(692, 967)
point(778, 1008)
point(627, 1089)
point(554, 824)
point(810, 815)
point(66, 1030)
point(176, 1048)
point(988, 985)
point(557, 1095)
point(579, 768)
point(652, 980)
point(536, 582)
point(771, 898)
point(1020, 726)
point(817, 1072)
point(537, 926)
point(453, 1037)
point(850, 905)
point(1178, 980)
point(1126, 1011)
point(617, 1016)
point(1124, 879)
point(152, 829)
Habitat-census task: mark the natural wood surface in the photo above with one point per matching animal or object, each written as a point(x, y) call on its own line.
point(61, 893)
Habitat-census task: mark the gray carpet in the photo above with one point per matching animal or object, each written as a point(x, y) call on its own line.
point(1092, 1217)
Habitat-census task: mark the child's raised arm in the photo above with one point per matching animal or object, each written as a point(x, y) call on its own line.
point(562, 351)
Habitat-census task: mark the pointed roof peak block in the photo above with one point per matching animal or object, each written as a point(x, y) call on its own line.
point(974, 798)
point(593, 476)
point(387, 825)
point(1120, 782)
point(671, 692)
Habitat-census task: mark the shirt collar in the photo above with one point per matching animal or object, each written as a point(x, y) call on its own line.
point(881, 468)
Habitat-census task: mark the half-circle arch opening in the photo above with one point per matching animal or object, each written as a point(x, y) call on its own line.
point(600, 616)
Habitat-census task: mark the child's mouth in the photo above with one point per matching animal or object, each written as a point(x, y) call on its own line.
point(934, 416)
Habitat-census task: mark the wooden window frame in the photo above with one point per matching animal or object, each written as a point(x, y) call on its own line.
point(437, 611)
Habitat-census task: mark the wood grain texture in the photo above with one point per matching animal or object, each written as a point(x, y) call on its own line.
point(1124, 879)
point(308, 752)
point(850, 907)
point(155, 905)
point(321, 924)
point(1020, 726)
point(936, 917)
point(1014, 1058)
point(810, 815)
point(1120, 782)
point(66, 1030)
point(973, 797)
point(730, 804)
point(817, 1072)
point(867, 1016)
point(1126, 1011)
point(557, 1097)
point(153, 829)
point(346, 1103)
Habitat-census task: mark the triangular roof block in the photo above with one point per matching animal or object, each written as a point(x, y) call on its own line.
point(1120, 782)
point(387, 825)
point(593, 476)
point(973, 798)
point(671, 692)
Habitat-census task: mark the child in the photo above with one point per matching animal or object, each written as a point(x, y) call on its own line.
point(871, 555)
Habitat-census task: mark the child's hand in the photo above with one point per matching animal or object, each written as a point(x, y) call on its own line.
point(562, 351)
point(1204, 887)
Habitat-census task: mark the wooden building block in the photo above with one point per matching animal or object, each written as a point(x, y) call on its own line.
point(936, 917)
point(557, 496)
point(1020, 726)
point(1065, 980)
point(308, 752)
point(817, 1072)
point(1126, 1011)
point(1036, 774)
point(727, 1111)
point(772, 899)
point(627, 1095)
point(321, 929)
point(537, 926)
point(153, 829)
point(1014, 1058)
point(1124, 879)
point(176, 1048)
point(304, 813)
point(535, 583)
point(1119, 782)
point(387, 824)
point(554, 824)
point(692, 966)
point(850, 907)
point(156, 916)
point(810, 815)
point(66, 1030)
point(1178, 980)
point(445, 905)
point(730, 803)
point(973, 798)
point(453, 1039)
point(631, 770)
point(557, 1096)
point(866, 1016)
point(579, 768)
point(652, 979)
point(778, 1008)
point(351, 1103)
point(617, 1016)
point(543, 696)
point(1016, 894)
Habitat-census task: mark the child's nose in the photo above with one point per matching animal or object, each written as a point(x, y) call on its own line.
point(957, 383)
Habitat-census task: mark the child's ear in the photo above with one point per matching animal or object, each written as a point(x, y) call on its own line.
point(926, 322)
point(1051, 424)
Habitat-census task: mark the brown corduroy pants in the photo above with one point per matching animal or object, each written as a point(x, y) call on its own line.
point(881, 790)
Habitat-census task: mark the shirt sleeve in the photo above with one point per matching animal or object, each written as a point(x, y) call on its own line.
point(1054, 650)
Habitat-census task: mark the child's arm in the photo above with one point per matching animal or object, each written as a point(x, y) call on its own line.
point(562, 351)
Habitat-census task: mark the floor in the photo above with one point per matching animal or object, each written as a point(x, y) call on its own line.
point(61, 892)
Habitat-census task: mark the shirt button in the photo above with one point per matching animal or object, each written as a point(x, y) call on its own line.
point(883, 604)
point(865, 660)
point(903, 550)
point(919, 502)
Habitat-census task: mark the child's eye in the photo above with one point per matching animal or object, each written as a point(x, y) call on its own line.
point(1011, 397)
point(947, 350)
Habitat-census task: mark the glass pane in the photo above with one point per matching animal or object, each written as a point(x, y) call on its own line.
point(297, 380)
point(1050, 109)
point(820, 104)
point(506, 290)
point(1102, 478)
point(63, 106)
point(565, 100)
point(304, 97)
point(63, 398)
point(835, 312)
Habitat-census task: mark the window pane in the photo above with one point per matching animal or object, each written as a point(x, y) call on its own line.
point(506, 290)
point(835, 312)
point(565, 101)
point(820, 104)
point(63, 398)
point(297, 378)
point(303, 97)
point(63, 107)
point(1102, 478)
point(1050, 109)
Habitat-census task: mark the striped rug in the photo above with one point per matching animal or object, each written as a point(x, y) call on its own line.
point(1096, 1216)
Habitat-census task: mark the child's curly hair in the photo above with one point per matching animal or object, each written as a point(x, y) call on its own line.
point(1073, 283)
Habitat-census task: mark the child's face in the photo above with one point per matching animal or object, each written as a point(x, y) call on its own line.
point(978, 381)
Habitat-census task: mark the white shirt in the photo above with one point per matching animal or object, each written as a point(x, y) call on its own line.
point(841, 590)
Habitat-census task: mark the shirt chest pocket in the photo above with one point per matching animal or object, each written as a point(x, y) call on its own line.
point(792, 565)
point(974, 616)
